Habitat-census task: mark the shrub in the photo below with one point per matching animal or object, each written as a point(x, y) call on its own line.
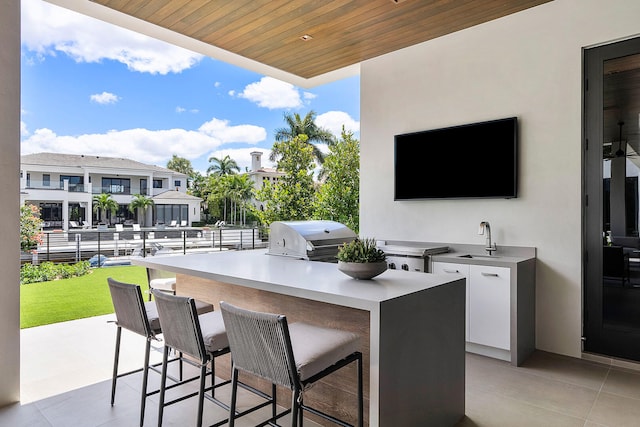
point(48, 271)
point(30, 227)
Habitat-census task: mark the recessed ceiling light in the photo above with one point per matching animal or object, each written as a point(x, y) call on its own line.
point(306, 37)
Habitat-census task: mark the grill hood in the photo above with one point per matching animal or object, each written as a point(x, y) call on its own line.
point(312, 240)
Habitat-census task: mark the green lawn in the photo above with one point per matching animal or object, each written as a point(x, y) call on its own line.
point(76, 298)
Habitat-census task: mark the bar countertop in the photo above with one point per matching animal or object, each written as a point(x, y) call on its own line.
point(319, 281)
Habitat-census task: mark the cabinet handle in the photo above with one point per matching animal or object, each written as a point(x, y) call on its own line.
point(451, 271)
point(490, 274)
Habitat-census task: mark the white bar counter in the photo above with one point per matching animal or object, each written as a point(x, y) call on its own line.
point(412, 326)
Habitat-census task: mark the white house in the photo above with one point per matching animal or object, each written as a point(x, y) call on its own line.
point(261, 175)
point(63, 187)
point(528, 64)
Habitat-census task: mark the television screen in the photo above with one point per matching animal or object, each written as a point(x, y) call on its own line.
point(478, 160)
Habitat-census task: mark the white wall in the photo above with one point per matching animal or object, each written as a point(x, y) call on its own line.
point(527, 65)
point(9, 208)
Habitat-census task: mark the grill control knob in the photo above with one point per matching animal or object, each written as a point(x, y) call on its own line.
point(405, 267)
point(392, 266)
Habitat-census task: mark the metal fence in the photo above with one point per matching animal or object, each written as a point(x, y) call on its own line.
point(120, 245)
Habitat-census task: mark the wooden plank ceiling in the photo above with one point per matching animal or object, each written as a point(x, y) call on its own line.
point(344, 32)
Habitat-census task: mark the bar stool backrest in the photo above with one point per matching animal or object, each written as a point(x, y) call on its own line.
point(180, 325)
point(129, 307)
point(260, 344)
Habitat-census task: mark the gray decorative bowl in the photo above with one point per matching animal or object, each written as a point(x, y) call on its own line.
point(362, 270)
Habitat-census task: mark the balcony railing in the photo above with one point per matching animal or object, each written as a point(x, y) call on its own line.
point(110, 190)
point(52, 185)
point(119, 247)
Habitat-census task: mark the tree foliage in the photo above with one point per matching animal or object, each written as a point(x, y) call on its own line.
point(229, 197)
point(292, 197)
point(222, 166)
point(182, 165)
point(30, 227)
point(338, 198)
point(302, 126)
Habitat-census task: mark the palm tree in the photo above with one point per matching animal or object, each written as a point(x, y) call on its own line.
point(239, 190)
point(307, 126)
point(224, 166)
point(103, 202)
point(140, 202)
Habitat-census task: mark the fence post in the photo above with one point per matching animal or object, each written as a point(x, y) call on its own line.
point(78, 251)
point(184, 242)
point(99, 263)
point(220, 242)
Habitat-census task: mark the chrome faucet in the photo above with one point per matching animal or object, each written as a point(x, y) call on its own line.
point(484, 225)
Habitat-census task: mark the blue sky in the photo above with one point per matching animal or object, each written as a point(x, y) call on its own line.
point(89, 87)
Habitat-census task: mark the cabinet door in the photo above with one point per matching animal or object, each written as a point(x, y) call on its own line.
point(457, 269)
point(489, 306)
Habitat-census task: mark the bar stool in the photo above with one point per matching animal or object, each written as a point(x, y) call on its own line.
point(201, 337)
point(294, 356)
point(133, 314)
point(162, 280)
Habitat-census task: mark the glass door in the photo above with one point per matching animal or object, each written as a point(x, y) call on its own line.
point(611, 171)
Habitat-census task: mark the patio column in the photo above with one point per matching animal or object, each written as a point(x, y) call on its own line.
point(9, 208)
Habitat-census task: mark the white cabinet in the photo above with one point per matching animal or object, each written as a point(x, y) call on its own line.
point(489, 306)
point(488, 320)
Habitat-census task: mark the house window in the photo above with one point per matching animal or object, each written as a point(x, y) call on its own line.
point(177, 183)
point(46, 180)
point(116, 185)
point(166, 213)
point(28, 180)
point(143, 186)
point(76, 183)
point(157, 183)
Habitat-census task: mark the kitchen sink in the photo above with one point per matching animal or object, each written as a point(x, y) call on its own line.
point(478, 256)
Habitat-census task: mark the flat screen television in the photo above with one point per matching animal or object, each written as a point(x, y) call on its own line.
point(477, 160)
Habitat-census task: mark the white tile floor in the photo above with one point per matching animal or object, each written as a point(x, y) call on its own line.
point(66, 369)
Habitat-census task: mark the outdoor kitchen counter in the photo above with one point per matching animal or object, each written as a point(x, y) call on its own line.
point(412, 326)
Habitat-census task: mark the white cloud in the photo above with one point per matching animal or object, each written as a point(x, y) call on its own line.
point(48, 30)
point(180, 109)
point(333, 121)
point(104, 98)
point(143, 145)
point(272, 93)
point(242, 133)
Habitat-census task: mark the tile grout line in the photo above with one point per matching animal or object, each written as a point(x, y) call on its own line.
point(604, 380)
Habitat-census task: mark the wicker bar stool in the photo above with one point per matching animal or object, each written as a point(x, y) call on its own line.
point(140, 317)
point(293, 356)
point(203, 338)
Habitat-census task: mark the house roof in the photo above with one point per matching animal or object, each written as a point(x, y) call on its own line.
point(297, 40)
point(82, 160)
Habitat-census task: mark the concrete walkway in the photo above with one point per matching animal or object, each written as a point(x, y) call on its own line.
point(69, 355)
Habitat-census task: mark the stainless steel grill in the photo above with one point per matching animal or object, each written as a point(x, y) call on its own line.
point(410, 258)
point(311, 240)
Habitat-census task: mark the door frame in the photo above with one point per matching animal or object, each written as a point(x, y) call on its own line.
point(596, 338)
